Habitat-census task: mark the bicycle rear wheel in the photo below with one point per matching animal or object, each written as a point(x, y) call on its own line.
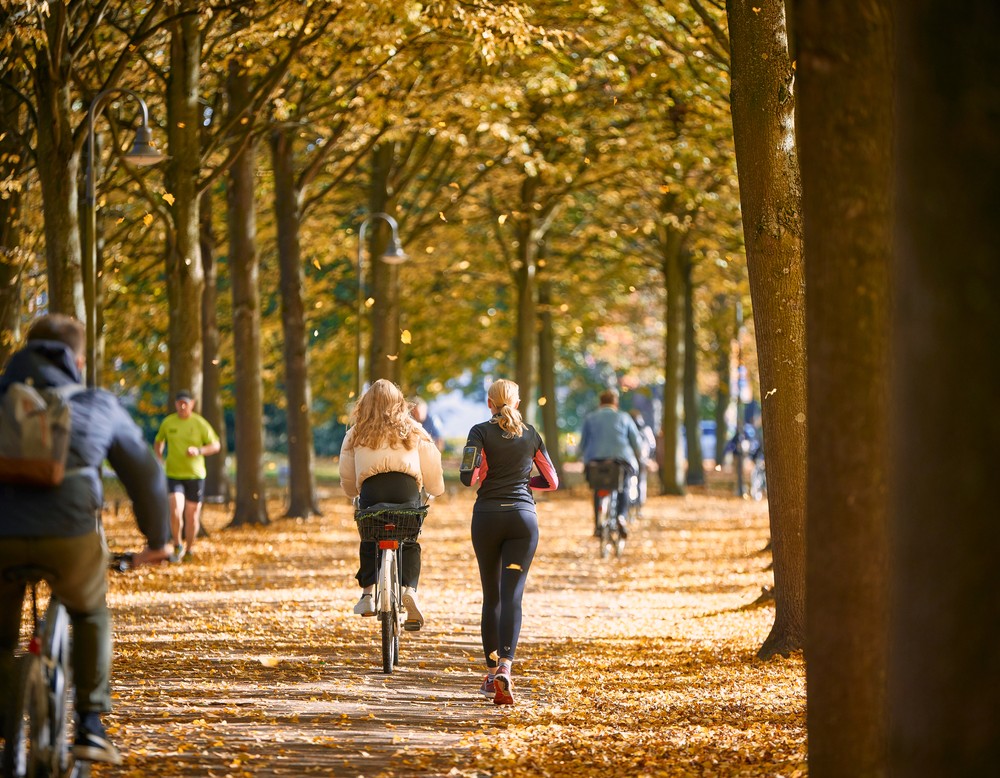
point(28, 736)
point(390, 618)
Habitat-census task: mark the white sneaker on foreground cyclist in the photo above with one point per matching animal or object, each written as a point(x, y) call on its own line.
point(366, 605)
point(414, 618)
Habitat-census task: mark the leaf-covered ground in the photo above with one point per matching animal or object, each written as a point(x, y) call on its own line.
point(249, 662)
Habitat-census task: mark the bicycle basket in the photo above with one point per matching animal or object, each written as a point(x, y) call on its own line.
point(402, 524)
point(605, 474)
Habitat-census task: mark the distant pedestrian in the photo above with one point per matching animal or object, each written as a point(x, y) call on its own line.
point(188, 439)
point(501, 452)
point(421, 412)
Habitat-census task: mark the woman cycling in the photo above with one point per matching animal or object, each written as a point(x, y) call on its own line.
point(501, 452)
point(387, 457)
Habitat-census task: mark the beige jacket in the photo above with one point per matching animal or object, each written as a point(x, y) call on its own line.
point(422, 462)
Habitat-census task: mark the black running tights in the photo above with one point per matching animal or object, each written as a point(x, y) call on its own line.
point(504, 542)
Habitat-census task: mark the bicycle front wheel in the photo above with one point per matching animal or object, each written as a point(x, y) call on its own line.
point(389, 616)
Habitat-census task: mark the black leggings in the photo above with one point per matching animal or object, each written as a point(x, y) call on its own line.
point(400, 489)
point(505, 543)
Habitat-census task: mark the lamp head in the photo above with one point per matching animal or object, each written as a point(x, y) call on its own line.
point(394, 254)
point(143, 152)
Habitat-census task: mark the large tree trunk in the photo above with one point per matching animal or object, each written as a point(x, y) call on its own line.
point(11, 255)
point(692, 406)
point(944, 677)
point(526, 288)
point(763, 128)
point(384, 313)
point(60, 169)
point(302, 500)
point(183, 266)
point(547, 375)
point(672, 469)
point(845, 94)
point(217, 476)
point(251, 498)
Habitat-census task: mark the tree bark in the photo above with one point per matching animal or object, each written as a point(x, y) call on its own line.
point(692, 407)
point(844, 129)
point(59, 173)
point(302, 501)
point(384, 313)
point(763, 129)
point(183, 266)
point(944, 673)
point(547, 375)
point(11, 255)
point(672, 471)
point(526, 286)
point(217, 477)
point(251, 498)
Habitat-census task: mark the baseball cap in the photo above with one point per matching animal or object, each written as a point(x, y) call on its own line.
point(183, 394)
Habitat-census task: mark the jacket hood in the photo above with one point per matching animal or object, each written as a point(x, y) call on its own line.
point(44, 362)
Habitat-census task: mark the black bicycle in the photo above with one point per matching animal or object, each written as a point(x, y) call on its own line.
point(36, 740)
point(607, 477)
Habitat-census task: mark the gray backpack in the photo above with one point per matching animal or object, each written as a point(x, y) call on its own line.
point(34, 434)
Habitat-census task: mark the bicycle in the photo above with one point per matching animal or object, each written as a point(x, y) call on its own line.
point(36, 738)
point(388, 526)
point(607, 477)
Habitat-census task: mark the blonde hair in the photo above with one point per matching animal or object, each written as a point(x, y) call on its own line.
point(505, 395)
point(382, 418)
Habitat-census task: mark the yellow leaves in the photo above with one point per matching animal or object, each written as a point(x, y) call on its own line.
point(147, 219)
point(502, 218)
point(169, 198)
point(405, 337)
point(514, 566)
point(756, 10)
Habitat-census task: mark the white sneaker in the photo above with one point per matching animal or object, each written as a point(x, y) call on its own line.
point(414, 618)
point(366, 605)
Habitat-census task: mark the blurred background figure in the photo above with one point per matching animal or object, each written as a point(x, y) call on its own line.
point(422, 414)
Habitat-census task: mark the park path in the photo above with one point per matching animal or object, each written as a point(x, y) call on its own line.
point(249, 662)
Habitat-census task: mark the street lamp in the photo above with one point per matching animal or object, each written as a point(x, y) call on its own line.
point(142, 153)
point(393, 255)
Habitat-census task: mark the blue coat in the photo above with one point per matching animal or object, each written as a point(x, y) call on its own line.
point(609, 433)
point(100, 429)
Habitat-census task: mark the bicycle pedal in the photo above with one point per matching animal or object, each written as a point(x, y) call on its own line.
point(412, 626)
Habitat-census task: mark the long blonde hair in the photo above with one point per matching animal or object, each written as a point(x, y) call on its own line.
point(505, 395)
point(382, 418)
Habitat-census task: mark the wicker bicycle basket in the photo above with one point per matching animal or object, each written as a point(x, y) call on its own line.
point(402, 524)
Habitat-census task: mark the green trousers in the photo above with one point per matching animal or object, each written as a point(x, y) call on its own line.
point(78, 568)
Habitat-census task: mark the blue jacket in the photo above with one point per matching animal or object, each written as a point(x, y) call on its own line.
point(609, 433)
point(100, 429)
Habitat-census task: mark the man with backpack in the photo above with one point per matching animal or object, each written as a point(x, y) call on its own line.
point(57, 526)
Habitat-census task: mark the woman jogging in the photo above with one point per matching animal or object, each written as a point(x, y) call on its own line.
point(387, 457)
point(499, 454)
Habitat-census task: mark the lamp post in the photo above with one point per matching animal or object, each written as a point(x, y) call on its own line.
point(142, 153)
point(394, 255)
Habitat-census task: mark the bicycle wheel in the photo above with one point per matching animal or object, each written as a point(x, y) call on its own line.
point(615, 529)
point(388, 617)
point(59, 680)
point(603, 512)
point(27, 740)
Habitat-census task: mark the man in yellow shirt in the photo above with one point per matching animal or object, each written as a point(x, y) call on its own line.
point(188, 439)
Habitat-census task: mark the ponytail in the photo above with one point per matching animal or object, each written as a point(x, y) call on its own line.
point(504, 395)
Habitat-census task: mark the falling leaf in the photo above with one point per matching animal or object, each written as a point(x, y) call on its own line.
point(169, 198)
point(392, 357)
point(147, 219)
point(442, 217)
point(405, 336)
point(502, 218)
point(514, 566)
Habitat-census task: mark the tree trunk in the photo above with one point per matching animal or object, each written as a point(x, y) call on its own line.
point(302, 500)
point(944, 673)
point(217, 477)
point(672, 471)
point(526, 287)
point(183, 266)
point(844, 99)
point(59, 174)
point(384, 313)
point(11, 256)
point(251, 498)
point(692, 406)
point(547, 375)
point(763, 129)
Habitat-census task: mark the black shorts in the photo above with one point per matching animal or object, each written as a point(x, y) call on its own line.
point(193, 489)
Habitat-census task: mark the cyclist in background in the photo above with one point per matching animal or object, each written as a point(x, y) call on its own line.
point(387, 457)
point(609, 433)
point(58, 528)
